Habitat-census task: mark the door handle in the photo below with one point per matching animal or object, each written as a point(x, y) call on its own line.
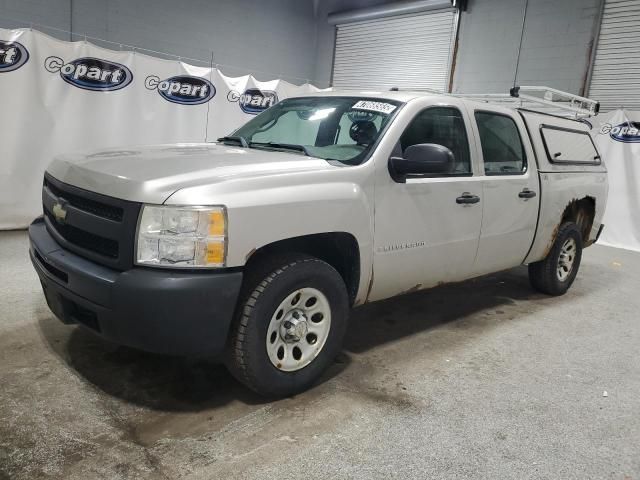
point(526, 193)
point(466, 198)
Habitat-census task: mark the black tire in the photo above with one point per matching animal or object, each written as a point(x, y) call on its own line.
point(266, 287)
point(544, 276)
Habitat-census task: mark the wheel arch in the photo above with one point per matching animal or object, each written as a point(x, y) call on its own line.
point(558, 208)
point(339, 249)
point(582, 212)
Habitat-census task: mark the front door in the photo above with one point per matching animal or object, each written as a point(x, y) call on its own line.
point(511, 191)
point(427, 229)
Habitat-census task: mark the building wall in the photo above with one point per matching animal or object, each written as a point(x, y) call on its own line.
point(291, 38)
point(556, 45)
point(273, 38)
point(326, 34)
point(555, 52)
point(55, 13)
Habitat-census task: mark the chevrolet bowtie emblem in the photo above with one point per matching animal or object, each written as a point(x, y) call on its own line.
point(59, 212)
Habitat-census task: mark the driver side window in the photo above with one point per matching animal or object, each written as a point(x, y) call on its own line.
point(442, 126)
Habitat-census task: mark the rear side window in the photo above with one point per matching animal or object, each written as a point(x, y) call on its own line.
point(502, 147)
point(564, 145)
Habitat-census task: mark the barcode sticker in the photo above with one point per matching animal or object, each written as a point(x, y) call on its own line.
point(380, 107)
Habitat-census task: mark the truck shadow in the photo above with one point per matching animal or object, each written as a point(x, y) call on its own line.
point(154, 381)
point(389, 320)
point(167, 383)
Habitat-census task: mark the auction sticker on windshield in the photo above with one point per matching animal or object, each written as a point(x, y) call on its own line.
point(379, 107)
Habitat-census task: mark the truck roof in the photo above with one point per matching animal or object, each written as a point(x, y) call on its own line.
point(400, 96)
point(544, 100)
point(403, 96)
point(406, 96)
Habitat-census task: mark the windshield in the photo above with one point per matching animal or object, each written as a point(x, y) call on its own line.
point(332, 128)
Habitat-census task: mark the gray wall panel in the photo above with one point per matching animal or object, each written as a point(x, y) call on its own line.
point(273, 36)
point(54, 13)
point(292, 37)
point(555, 48)
point(555, 52)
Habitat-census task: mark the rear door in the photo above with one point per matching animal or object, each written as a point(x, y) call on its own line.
point(510, 190)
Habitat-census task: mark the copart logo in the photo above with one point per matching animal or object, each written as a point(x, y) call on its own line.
point(91, 73)
point(13, 55)
point(253, 100)
point(628, 132)
point(183, 89)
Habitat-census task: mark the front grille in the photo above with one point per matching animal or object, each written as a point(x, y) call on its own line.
point(94, 226)
point(89, 241)
point(87, 205)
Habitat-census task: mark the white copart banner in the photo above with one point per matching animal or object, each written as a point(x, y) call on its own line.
point(617, 136)
point(59, 97)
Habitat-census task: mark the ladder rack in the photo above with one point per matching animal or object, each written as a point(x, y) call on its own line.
point(542, 99)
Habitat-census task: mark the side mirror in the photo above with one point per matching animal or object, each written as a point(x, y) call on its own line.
point(422, 159)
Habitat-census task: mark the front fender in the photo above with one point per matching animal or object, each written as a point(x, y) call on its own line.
point(259, 215)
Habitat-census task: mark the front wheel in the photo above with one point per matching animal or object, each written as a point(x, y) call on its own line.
point(290, 326)
point(555, 274)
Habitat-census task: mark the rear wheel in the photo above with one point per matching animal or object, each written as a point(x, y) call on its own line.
point(290, 325)
point(556, 273)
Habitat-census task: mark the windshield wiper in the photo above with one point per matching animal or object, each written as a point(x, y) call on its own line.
point(238, 139)
point(283, 146)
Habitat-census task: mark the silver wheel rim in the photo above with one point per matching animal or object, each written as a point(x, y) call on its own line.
point(298, 329)
point(566, 259)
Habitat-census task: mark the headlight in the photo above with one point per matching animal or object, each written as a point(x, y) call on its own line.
point(183, 237)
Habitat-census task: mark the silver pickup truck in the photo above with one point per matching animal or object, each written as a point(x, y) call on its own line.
point(255, 248)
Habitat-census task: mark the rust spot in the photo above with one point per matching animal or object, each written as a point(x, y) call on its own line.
point(582, 213)
point(246, 259)
point(412, 289)
point(554, 234)
point(279, 365)
point(370, 285)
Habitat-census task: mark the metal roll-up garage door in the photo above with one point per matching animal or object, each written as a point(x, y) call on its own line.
point(406, 51)
point(615, 78)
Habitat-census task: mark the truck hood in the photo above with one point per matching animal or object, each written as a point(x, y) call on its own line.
point(151, 174)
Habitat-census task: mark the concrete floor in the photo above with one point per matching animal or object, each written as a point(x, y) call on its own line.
point(484, 379)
